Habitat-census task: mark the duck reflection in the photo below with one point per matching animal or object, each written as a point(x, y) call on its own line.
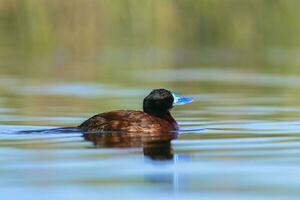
point(156, 146)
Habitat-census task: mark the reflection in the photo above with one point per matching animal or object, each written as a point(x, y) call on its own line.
point(63, 130)
point(158, 150)
point(156, 146)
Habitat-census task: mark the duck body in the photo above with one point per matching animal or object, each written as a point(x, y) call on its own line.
point(129, 121)
point(155, 117)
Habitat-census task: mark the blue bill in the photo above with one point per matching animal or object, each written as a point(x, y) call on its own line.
point(178, 100)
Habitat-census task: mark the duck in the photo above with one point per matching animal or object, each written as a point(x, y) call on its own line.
point(154, 119)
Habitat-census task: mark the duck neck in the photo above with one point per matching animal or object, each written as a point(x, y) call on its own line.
point(160, 114)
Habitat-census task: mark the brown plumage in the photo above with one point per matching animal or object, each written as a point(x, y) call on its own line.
point(129, 121)
point(155, 119)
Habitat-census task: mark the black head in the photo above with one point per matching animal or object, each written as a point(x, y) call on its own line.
point(158, 102)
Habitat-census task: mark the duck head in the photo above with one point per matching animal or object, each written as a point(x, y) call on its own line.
point(160, 101)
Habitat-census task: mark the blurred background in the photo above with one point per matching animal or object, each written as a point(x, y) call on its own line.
point(55, 53)
point(86, 40)
point(66, 54)
point(83, 46)
point(64, 61)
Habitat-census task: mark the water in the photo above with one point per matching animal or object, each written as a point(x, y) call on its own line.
point(238, 139)
point(64, 61)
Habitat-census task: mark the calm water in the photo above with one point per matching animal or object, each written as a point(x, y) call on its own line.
point(64, 61)
point(239, 139)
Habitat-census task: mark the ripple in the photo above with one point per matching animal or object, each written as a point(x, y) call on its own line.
point(78, 90)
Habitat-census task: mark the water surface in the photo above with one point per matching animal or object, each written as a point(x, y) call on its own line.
point(238, 139)
point(64, 61)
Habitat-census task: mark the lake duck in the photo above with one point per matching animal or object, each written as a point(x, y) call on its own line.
point(155, 117)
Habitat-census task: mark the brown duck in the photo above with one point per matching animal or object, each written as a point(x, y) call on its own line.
point(154, 119)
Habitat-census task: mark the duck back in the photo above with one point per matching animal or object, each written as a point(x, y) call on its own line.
point(129, 121)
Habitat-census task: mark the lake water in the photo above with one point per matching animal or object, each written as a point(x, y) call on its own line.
point(63, 61)
point(239, 139)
